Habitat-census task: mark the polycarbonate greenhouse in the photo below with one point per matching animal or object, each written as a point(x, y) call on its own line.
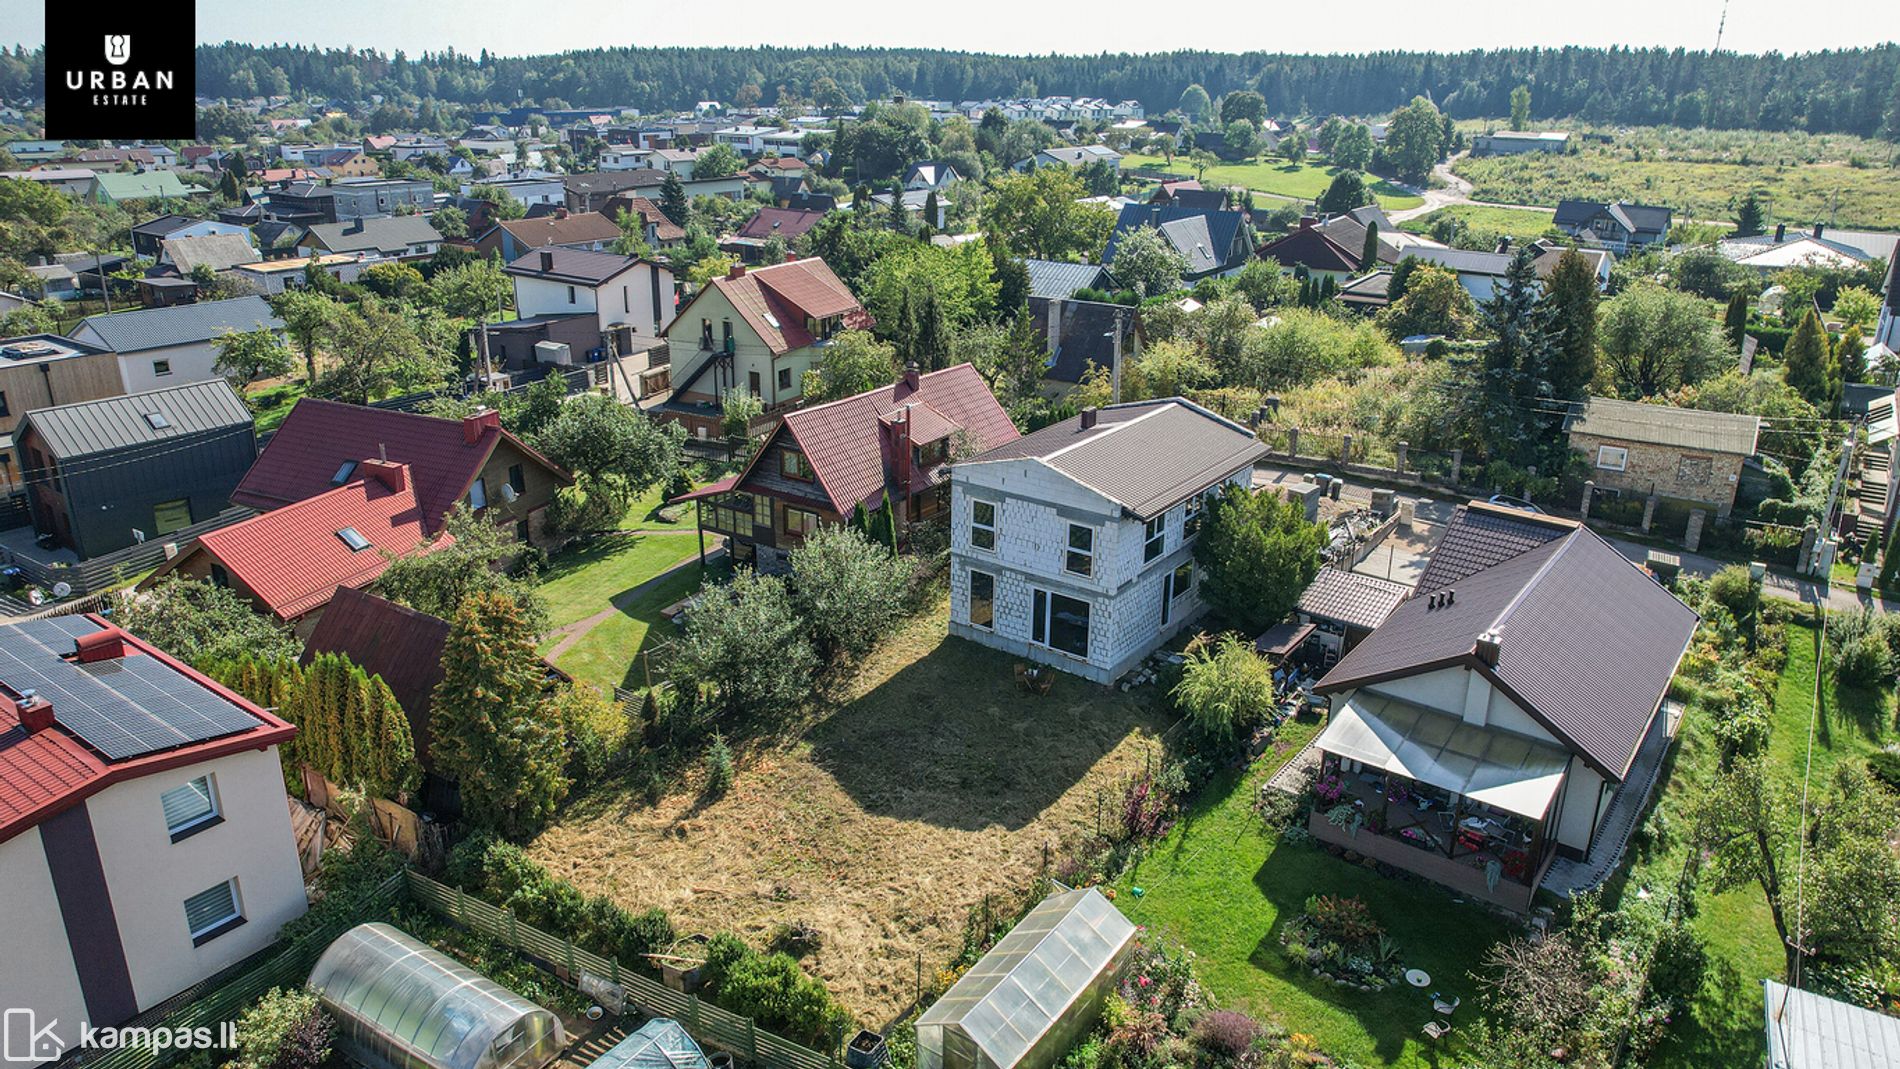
point(400, 1005)
point(658, 1044)
point(1035, 994)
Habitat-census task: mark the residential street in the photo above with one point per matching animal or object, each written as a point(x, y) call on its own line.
point(1433, 510)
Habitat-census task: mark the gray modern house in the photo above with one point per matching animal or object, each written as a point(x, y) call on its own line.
point(107, 474)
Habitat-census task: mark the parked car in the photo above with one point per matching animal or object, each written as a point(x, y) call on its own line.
point(1518, 503)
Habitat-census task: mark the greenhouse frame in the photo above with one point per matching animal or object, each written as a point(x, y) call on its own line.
point(661, 1043)
point(400, 1005)
point(1035, 994)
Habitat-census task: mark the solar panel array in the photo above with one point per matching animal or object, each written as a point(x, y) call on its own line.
point(124, 707)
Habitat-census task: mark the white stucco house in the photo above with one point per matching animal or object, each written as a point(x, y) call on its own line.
point(159, 347)
point(145, 843)
point(1074, 545)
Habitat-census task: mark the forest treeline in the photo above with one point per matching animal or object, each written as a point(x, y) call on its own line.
point(1847, 91)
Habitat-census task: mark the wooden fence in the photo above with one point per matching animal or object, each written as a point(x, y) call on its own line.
point(709, 1024)
point(226, 995)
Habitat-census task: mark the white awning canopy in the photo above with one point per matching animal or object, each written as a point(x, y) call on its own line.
point(1488, 765)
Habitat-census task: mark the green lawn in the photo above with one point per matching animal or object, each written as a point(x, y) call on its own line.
point(273, 403)
point(581, 582)
point(609, 655)
point(1522, 224)
point(1222, 886)
point(644, 513)
point(1723, 1026)
point(1270, 174)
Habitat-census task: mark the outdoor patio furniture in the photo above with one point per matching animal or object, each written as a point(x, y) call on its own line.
point(1034, 678)
point(1445, 1007)
point(1436, 1030)
point(1418, 977)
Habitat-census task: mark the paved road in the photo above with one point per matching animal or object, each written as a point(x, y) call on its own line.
point(1433, 510)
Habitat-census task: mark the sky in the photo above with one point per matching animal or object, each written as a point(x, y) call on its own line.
point(509, 27)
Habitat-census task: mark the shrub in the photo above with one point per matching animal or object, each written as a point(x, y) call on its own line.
point(597, 732)
point(1226, 689)
point(774, 990)
point(718, 767)
point(1226, 1034)
point(848, 591)
point(747, 642)
point(1342, 918)
point(287, 1029)
point(1884, 765)
point(1734, 589)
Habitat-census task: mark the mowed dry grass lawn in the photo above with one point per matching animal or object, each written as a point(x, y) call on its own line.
point(881, 818)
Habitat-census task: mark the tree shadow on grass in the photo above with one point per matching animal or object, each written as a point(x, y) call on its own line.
point(950, 740)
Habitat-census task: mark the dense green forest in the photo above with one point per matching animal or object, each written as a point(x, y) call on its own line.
point(1849, 91)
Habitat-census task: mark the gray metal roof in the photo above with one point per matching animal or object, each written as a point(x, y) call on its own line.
point(1587, 642)
point(1146, 456)
point(1053, 278)
point(114, 423)
point(393, 233)
point(1810, 1031)
point(1684, 428)
point(1350, 598)
point(182, 324)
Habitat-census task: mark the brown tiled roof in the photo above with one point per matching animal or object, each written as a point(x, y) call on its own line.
point(1587, 643)
point(1351, 598)
point(1480, 535)
point(389, 640)
point(787, 223)
point(1146, 456)
point(578, 228)
point(1308, 247)
point(774, 301)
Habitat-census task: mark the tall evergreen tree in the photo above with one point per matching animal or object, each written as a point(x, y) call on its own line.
point(899, 217)
point(673, 202)
point(932, 346)
point(490, 730)
point(1851, 354)
point(1571, 294)
point(1401, 277)
point(931, 208)
point(1515, 387)
point(1369, 252)
point(1808, 365)
point(1748, 217)
point(1735, 319)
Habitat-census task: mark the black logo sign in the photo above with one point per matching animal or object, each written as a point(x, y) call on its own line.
point(116, 75)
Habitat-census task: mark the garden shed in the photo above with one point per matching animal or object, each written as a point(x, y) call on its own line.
point(400, 1005)
point(1039, 990)
point(661, 1043)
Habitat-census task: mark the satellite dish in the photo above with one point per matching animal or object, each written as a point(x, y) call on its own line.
point(62, 589)
point(508, 494)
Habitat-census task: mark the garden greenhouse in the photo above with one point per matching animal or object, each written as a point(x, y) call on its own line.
point(1028, 1000)
point(658, 1044)
point(400, 1005)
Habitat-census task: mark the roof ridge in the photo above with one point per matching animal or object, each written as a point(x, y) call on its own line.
point(1563, 545)
point(1106, 429)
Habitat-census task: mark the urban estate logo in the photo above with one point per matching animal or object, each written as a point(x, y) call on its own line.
point(103, 87)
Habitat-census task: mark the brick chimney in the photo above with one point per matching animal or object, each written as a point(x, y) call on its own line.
point(913, 381)
point(736, 271)
point(900, 449)
point(560, 213)
point(476, 424)
point(36, 713)
point(1307, 222)
point(1089, 415)
point(547, 259)
point(107, 645)
point(388, 472)
point(1817, 229)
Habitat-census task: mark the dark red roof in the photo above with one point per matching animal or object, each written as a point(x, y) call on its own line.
point(1308, 247)
point(319, 437)
point(775, 301)
point(46, 772)
point(294, 559)
point(848, 449)
point(788, 223)
point(389, 640)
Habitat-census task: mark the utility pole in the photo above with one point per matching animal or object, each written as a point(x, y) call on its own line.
point(1115, 362)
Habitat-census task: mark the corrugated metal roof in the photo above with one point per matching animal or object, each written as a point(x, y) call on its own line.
point(90, 427)
point(1053, 278)
point(570, 265)
point(182, 324)
point(395, 233)
point(1684, 428)
point(220, 252)
point(1588, 643)
point(1809, 1031)
point(1145, 456)
point(1481, 535)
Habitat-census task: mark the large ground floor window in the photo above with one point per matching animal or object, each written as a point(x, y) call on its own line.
point(1061, 622)
point(982, 600)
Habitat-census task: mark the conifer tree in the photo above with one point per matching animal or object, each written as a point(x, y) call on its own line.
point(1808, 366)
point(1516, 369)
point(1369, 252)
point(673, 202)
point(1735, 318)
point(1571, 294)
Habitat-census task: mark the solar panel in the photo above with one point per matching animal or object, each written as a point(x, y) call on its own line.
point(125, 707)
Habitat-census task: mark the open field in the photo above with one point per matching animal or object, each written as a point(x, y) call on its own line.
point(1519, 224)
point(881, 820)
point(1801, 193)
point(1270, 174)
point(1223, 886)
point(1723, 1026)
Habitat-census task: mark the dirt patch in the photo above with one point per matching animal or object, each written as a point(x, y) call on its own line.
point(932, 782)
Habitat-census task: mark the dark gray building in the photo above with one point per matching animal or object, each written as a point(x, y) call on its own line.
point(351, 198)
point(103, 474)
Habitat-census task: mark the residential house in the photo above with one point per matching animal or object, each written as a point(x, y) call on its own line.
point(111, 159)
point(165, 346)
point(1768, 254)
point(659, 231)
point(1518, 142)
point(40, 371)
point(1214, 242)
point(1187, 193)
point(1073, 157)
point(759, 330)
point(1310, 249)
point(594, 309)
point(514, 238)
point(1081, 335)
point(110, 473)
point(930, 174)
point(1061, 279)
point(120, 187)
point(785, 224)
point(470, 461)
point(1887, 328)
point(1344, 607)
point(528, 190)
point(1483, 273)
point(217, 252)
point(74, 181)
point(1660, 451)
point(677, 161)
point(148, 237)
point(625, 158)
point(1619, 227)
point(1074, 545)
point(392, 237)
point(820, 464)
point(55, 281)
point(272, 277)
point(290, 561)
point(1507, 715)
point(145, 844)
point(590, 192)
point(31, 152)
point(352, 198)
point(916, 203)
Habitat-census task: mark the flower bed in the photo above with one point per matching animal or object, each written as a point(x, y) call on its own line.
point(1340, 941)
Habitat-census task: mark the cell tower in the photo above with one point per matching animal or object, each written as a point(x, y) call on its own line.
point(1721, 26)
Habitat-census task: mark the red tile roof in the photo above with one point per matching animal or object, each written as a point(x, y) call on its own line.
point(787, 223)
point(292, 558)
point(775, 301)
point(319, 437)
point(848, 450)
point(46, 772)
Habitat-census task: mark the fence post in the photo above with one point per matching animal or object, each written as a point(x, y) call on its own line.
point(752, 1038)
point(1457, 464)
point(1293, 441)
point(461, 907)
point(692, 1013)
point(1589, 494)
point(1345, 449)
point(514, 937)
point(1400, 466)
